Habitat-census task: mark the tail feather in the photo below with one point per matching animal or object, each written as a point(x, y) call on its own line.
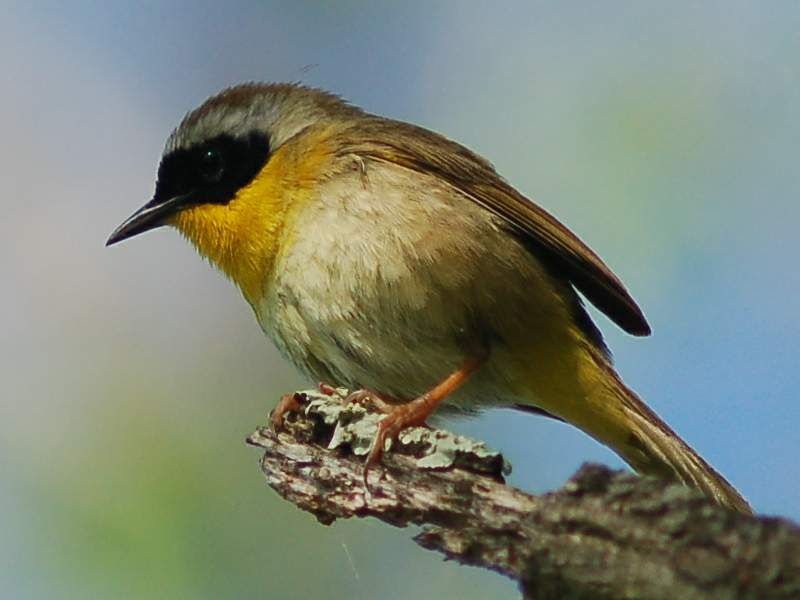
point(605, 408)
point(653, 448)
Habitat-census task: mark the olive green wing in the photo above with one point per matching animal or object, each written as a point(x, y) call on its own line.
point(427, 152)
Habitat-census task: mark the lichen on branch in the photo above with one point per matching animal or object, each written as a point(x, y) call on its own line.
point(605, 534)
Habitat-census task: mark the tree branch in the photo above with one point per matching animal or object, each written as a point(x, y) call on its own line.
point(605, 534)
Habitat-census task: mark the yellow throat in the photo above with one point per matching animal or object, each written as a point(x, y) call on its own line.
point(244, 236)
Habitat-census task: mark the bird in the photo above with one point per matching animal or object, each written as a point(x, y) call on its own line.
point(386, 258)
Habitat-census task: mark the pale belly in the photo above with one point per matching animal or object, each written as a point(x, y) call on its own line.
point(394, 295)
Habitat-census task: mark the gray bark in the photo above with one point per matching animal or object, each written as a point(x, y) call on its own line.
point(605, 534)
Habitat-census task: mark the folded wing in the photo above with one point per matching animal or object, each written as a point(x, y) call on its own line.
point(427, 152)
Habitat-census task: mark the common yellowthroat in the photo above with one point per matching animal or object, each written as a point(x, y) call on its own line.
point(381, 256)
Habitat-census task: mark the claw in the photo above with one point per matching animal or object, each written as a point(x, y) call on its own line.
point(326, 389)
point(401, 417)
point(287, 404)
point(368, 397)
point(412, 413)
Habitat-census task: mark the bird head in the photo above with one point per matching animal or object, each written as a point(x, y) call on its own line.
point(232, 168)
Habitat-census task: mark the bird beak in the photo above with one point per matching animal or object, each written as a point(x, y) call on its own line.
point(153, 214)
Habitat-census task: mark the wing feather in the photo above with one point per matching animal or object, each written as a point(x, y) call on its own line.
point(424, 151)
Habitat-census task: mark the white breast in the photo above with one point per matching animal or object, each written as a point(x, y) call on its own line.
point(392, 279)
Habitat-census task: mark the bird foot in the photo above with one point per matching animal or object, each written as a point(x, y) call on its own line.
point(414, 413)
point(326, 389)
point(398, 418)
point(287, 404)
point(370, 398)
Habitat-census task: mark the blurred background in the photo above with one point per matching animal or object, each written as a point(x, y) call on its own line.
point(665, 135)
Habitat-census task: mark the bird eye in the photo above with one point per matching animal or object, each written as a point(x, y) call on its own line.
point(211, 166)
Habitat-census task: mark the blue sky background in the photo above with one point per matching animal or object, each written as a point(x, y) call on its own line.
point(665, 135)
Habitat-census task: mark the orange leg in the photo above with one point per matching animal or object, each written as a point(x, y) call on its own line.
point(287, 404)
point(415, 412)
